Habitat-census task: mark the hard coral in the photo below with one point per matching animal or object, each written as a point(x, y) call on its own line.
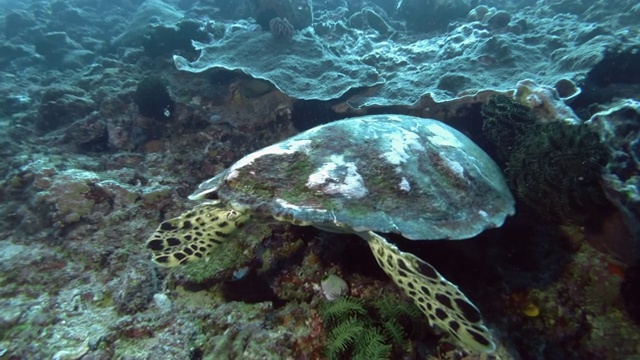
point(164, 39)
point(298, 12)
point(544, 102)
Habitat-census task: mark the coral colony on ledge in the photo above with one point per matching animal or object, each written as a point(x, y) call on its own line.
point(336, 179)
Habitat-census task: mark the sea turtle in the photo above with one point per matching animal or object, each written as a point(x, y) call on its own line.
point(367, 175)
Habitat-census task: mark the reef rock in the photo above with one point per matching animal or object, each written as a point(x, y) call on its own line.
point(619, 129)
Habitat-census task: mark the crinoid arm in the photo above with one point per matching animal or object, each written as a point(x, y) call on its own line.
point(194, 234)
point(443, 303)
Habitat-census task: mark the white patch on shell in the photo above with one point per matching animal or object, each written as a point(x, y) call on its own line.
point(455, 167)
point(285, 148)
point(295, 208)
point(483, 213)
point(338, 177)
point(287, 205)
point(394, 117)
point(404, 185)
point(232, 175)
point(399, 142)
point(442, 136)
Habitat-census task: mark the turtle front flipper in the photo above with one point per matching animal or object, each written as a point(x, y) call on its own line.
point(442, 302)
point(194, 234)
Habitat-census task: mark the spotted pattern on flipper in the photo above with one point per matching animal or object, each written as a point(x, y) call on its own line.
point(194, 234)
point(443, 303)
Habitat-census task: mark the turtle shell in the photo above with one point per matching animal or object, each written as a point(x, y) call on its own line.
point(388, 173)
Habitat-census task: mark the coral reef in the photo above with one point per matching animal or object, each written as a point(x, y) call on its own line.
point(553, 166)
point(556, 169)
point(298, 12)
point(505, 123)
point(545, 103)
point(619, 130)
point(281, 28)
point(162, 39)
point(369, 18)
point(153, 99)
point(85, 176)
point(380, 329)
point(60, 105)
point(136, 288)
point(403, 70)
point(419, 15)
point(149, 12)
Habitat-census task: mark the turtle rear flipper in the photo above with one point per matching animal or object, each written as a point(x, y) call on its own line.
point(194, 234)
point(442, 302)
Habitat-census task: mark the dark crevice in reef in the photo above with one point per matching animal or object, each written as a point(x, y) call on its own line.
point(630, 291)
point(250, 289)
